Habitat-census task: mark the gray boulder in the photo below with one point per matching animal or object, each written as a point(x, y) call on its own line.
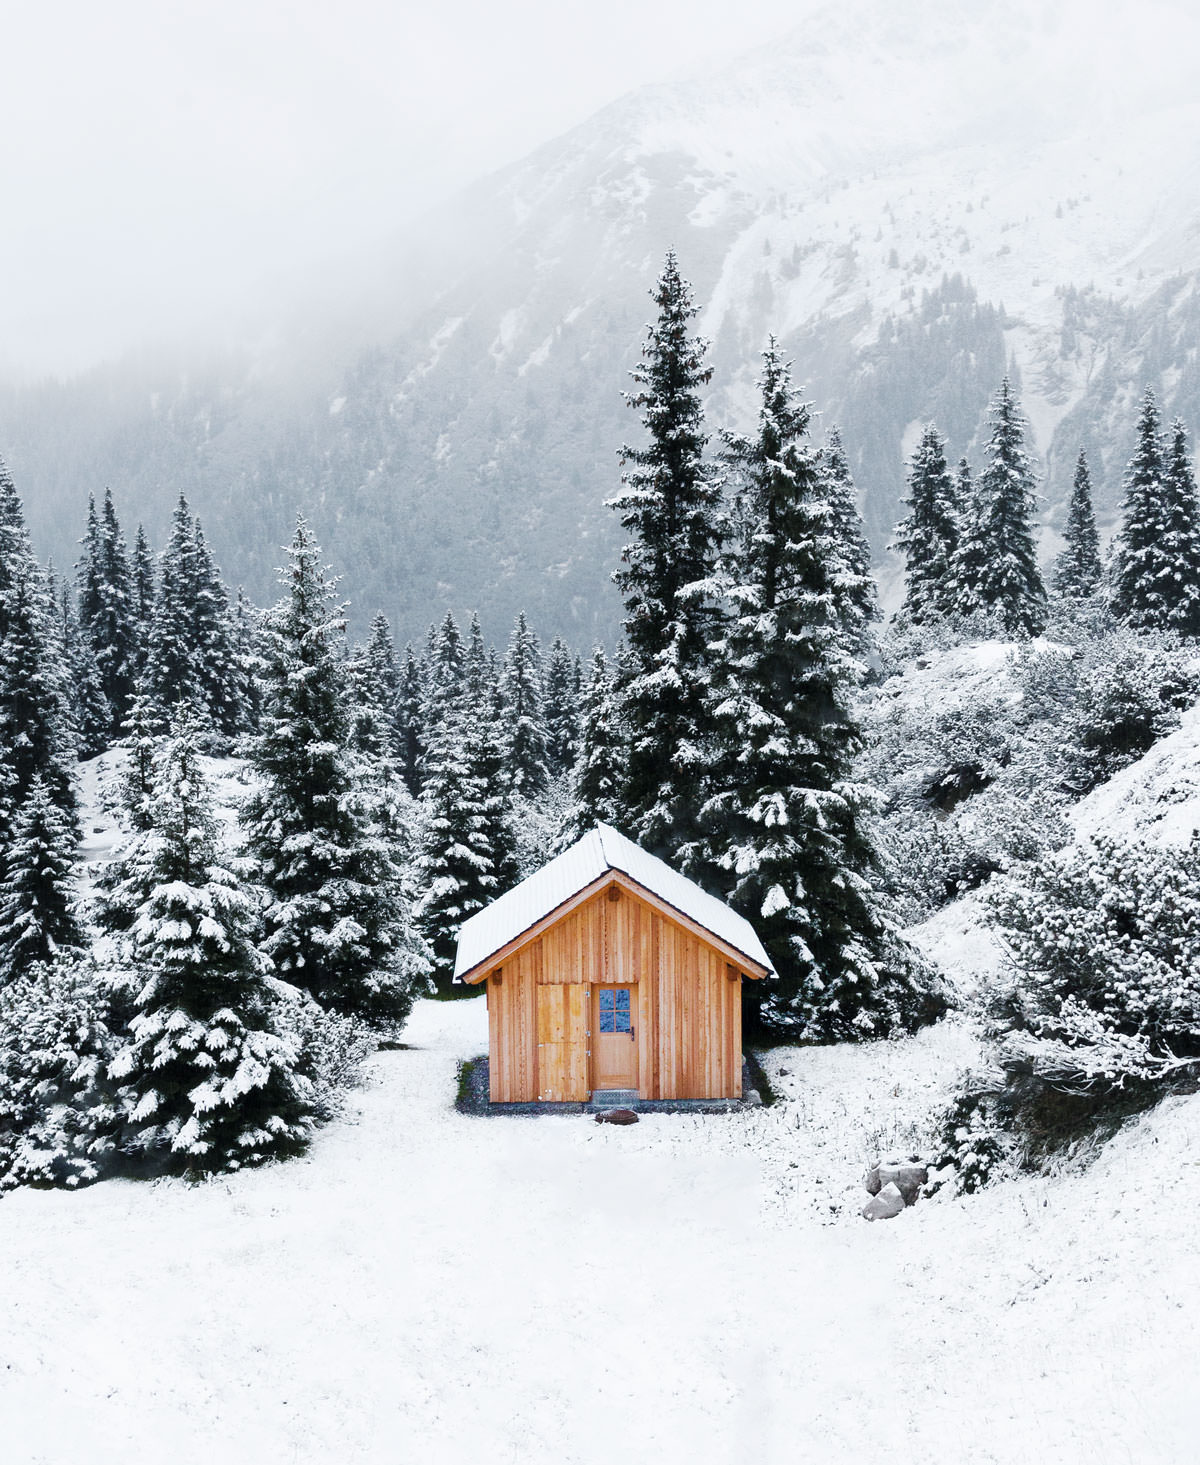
point(882, 1207)
point(907, 1177)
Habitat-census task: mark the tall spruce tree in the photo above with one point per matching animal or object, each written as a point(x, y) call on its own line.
point(1078, 571)
point(1181, 540)
point(560, 709)
point(38, 895)
point(409, 721)
point(36, 727)
point(456, 868)
point(670, 503)
point(785, 833)
point(521, 690)
point(213, 1084)
point(1141, 568)
point(107, 614)
point(929, 536)
point(142, 591)
point(91, 711)
point(600, 766)
point(336, 921)
point(1010, 583)
point(857, 598)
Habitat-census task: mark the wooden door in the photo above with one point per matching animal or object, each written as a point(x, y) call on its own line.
point(614, 1038)
point(562, 1042)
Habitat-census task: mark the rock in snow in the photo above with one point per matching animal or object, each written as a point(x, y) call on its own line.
point(907, 1176)
point(882, 1207)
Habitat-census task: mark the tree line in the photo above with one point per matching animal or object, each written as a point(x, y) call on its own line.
point(968, 543)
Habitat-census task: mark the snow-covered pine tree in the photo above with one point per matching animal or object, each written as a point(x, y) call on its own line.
point(445, 665)
point(560, 709)
point(245, 668)
point(1181, 523)
point(929, 536)
point(174, 674)
point(107, 615)
point(521, 691)
point(670, 502)
point(213, 1086)
point(786, 840)
point(59, 1109)
point(191, 657)
point(1143, 573)
point(141, 589)
point(35, 716)
point(1078, 571)
point(336, 920)
point(38, 895)
point(381, 655)
point(1010, 583)
point(91, 712)
point(857, 597)
point(15, 552)
point(599, 770)
point(456, 869)
point(409, 736)
point(142, 736)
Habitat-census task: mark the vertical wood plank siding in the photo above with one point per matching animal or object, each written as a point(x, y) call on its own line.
point(687, 1009)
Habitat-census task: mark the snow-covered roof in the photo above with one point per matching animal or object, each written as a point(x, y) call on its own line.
point(600, 850)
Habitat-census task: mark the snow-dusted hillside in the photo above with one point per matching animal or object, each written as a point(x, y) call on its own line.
point(819, 188)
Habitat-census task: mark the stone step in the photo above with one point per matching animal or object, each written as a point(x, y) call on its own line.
point(613, 1099)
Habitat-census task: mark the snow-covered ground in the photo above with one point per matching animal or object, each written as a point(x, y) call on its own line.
point(431, 1286)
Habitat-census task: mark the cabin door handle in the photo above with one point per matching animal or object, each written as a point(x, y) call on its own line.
point(632, 1033)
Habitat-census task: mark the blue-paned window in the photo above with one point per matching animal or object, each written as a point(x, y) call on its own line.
point(615, 1010)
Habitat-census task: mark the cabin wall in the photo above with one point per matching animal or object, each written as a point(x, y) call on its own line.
point(686, 996)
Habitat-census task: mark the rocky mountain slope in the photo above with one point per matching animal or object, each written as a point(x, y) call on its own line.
point(915, 197)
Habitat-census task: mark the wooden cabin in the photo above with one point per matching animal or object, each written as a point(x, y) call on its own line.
point(606, 970)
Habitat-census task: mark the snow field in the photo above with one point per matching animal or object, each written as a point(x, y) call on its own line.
point(433, 1286)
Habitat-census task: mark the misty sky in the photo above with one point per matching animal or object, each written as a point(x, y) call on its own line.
point(167, 166)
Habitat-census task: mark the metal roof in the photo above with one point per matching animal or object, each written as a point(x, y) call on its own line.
point(600, 850)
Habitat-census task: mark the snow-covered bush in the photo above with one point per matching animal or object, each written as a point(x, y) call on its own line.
point(59, 1109)
point(1130, 693)
point(331, 1049)
point(1105, 939)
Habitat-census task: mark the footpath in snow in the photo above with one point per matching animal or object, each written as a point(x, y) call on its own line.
point(437, 1287)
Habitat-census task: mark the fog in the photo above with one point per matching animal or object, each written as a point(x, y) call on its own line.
point(169, 171)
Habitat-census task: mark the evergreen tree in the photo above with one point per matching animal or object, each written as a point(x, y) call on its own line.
point(142, 738)
point(600, 767)
point(786, 837)
point(190, 659)
point(1010, 583)
point(521, 690)
point(1181, 540)
point(213, 1085)
point(445, 665)
point(1142, 569)
point(669, 502)
point(245, 667)
point(856, 596)
point(381, 656)
point(929, 536)
point(16, 556)
point(142, 592)
point(35, 719)
point(337, 920)
point(409, 728)
point(479, 682)
point(1077, 571)
point(456, 868)
point(91, 713)
point(37, 895)
point(107, 616)
point(560, 704)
